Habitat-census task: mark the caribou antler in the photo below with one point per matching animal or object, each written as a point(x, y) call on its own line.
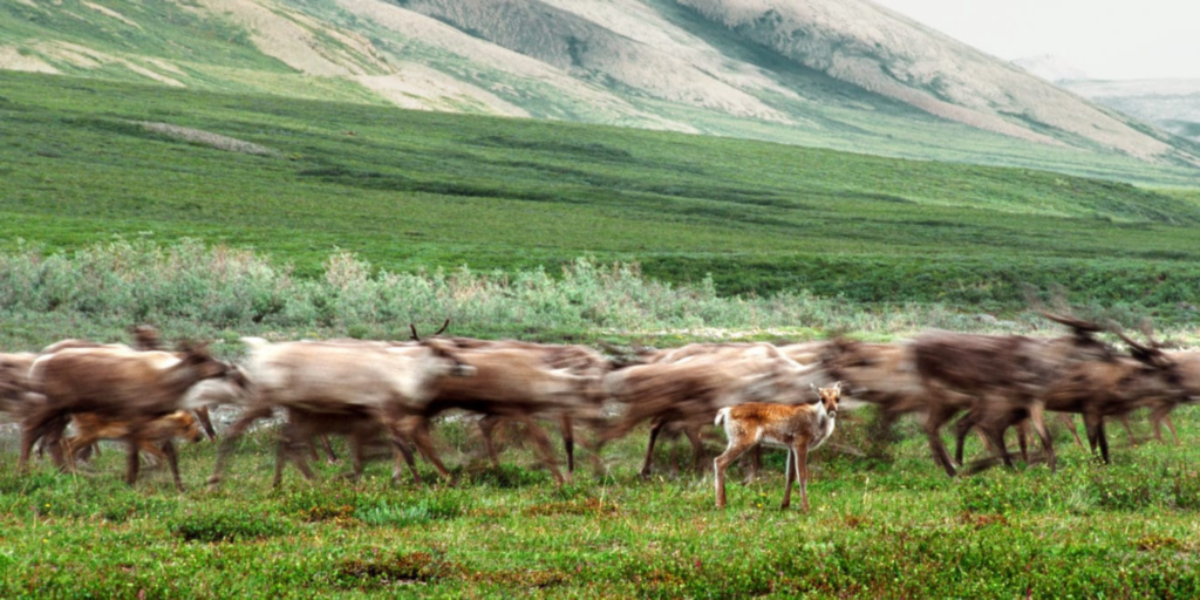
point(443, 329)
point(417, 338)
point(1150, 355)
point(146, 337)
point(1080, 326)
point(1146, 326)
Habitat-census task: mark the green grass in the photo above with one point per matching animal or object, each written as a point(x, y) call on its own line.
point(411, 190)
point(377, 210)
point(895, 528)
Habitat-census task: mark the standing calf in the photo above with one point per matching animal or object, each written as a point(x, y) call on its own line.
point(798, 428)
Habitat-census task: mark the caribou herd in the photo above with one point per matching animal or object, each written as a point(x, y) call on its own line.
point(368, 391)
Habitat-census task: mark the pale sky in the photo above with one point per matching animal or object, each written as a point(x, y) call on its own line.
point(1106, 39)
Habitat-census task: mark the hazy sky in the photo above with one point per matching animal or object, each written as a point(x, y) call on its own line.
point(1107, 39)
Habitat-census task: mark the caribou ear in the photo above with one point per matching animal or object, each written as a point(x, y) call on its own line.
point(814, 388)
point(838, 386)
point(193, 349)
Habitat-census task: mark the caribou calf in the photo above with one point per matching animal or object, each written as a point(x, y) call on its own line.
point(798, 428)
point(93, 427)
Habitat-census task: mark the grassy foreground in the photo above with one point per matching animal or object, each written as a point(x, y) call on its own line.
point(877, 529)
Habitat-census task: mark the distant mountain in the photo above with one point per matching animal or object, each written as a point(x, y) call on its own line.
point(1172, 105)
point(1051, 68)
point(845, 74)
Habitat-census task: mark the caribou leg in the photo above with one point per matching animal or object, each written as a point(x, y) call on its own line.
point(168, 448)
point(416, 428)
point(544, 446)
point(693, 436)
point(935, 418)
point(206, 422)
point(656, 427)
point(1070, 425)
point(41, 423)
point(961, 427)
point(487, 428)
point(235, 431)
point(1094, 423)
point(1037, 414)
point(1023, 439)
point(1160, 415)
point(568, 436)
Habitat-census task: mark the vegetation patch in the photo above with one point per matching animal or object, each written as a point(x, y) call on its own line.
point(316, 505)
point(229, 526)
point(1153, 543)
point(381, 571)
point(586, 506)
point(403, 514)
point(507, 476)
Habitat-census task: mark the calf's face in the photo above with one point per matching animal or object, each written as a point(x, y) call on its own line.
point(189, 429)
point(829, 396)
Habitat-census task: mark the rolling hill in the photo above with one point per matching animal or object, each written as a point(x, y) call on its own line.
point(840, 74)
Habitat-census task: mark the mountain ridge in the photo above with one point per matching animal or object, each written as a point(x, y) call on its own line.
point(847, 74)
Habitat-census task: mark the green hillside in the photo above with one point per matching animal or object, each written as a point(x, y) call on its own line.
point(712, 78)
point(409, 190)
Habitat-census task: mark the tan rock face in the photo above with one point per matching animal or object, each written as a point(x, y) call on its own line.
point(882, 51)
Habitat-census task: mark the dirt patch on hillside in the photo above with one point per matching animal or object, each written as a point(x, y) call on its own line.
point(472, 50)
point(293, 39)
point(419, 87)
point(112, 13)
point(11, 59)
point(588, 50)
point(208, 138)
point(89, 58)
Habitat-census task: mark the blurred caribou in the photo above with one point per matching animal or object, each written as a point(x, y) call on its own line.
point(115, 383)
point(1005, 375)
point(685, 388)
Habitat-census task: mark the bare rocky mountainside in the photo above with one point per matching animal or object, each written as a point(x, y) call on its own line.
point(845, 74)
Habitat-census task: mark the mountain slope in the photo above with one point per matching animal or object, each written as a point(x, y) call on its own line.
point(884, 52)
point(844, 74)
point(1172, 105)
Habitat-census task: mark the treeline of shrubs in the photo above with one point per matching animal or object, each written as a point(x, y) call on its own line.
point(217, 292)
point(1165, 286)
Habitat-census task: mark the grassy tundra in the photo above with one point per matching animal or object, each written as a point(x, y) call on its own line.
point(890, 526)
point(361, 219)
